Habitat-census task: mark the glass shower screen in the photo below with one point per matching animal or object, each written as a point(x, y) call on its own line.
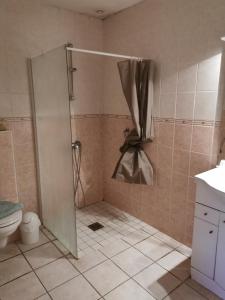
point(53, 141)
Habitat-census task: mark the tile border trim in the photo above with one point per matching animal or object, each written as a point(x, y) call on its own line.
point(125, 117)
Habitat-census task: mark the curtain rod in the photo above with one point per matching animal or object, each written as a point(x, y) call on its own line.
point(103, 53)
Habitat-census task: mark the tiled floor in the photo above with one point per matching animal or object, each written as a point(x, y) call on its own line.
point(126, 260)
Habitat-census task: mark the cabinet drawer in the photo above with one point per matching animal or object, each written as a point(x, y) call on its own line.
point(207, 214)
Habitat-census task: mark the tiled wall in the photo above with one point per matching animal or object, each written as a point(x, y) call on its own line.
point(89, 130)
point(22, 158)
point(179, 151)
point(29, 28)
point(183, 38)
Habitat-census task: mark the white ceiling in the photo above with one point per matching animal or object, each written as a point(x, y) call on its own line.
point(91, 6)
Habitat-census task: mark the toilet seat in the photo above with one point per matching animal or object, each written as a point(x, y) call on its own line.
point(11, 219)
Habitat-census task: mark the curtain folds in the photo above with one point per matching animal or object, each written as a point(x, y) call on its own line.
point(134, 165)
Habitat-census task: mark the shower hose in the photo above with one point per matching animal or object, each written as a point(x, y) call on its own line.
point(77, 153)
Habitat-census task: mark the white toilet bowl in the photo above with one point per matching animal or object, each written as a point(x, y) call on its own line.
point(8, 226)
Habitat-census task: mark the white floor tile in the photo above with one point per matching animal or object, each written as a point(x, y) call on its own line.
point(185, 250)
point(177, 263)
point(131, 261)
point(9, 251)
point(87, 261)
point(49, 235)
point(61, 247)
point(105, 277)
point(135, 237)
point(42, 255)
point(56, 273)
point(185, 293)
point(153, 248)
point(129, 290)
point(149, 229)
point(26, 287)
point(114, 248)
point(75, 289)
point(13, 268)
point(157, 281)
point(167, 239)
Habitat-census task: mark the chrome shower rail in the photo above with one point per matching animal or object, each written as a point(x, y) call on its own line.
point(103, 53)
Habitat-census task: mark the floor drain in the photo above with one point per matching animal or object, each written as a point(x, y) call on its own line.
point(95, 226)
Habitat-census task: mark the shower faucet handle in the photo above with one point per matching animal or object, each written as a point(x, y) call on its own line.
point(126, 132)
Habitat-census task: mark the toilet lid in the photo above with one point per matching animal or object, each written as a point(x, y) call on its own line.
point(7, 208)
point(13, 218)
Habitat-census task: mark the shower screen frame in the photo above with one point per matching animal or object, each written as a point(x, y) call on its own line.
point(64, 228)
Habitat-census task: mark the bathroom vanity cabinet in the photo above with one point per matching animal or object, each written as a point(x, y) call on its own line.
point(208, 247)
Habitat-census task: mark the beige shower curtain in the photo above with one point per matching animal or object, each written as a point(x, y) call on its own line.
point(134, 165)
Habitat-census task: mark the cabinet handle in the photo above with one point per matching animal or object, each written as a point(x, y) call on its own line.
point(211, 231)
point(205, 214)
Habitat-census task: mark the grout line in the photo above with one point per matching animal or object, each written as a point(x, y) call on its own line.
point(10, 258)
point(66, 256)
point(190, 149)
point(133, 246)
point(25, 251)
point(36, 275)
point(14, 279)
point(81, 274)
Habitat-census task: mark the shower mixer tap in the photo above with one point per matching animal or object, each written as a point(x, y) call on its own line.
point(73, 69)
point(76, 145)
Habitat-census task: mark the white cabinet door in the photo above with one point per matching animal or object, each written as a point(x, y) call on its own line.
point(204, 247)
point(220, 258)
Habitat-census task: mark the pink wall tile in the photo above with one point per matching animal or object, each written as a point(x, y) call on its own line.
point(202, 139)
point(181, 160)
point(199, 163)
point(88, 130)
point(182, 139)
point(165, 134)
point(165, 158)
point(8, 184)
point(163, 205)
point(191, 190)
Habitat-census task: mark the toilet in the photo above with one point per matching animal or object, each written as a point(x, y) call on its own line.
point(10, 219)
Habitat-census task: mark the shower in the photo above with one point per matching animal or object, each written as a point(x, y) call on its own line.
point(68, 190)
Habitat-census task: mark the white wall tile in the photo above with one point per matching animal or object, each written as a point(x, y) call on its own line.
point(185, 106)
point(167, 105)
point(33, 28)
point(168, 77)
point(5, 105)
point(21, 105)
point(205, 106)
point(187, 79)
point(208, 74)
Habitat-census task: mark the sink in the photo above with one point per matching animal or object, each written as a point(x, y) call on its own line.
point(211, 187)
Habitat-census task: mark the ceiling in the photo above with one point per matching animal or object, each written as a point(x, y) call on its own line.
point(91, 7)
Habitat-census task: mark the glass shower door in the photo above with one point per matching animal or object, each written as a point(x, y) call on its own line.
point(53, 141)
